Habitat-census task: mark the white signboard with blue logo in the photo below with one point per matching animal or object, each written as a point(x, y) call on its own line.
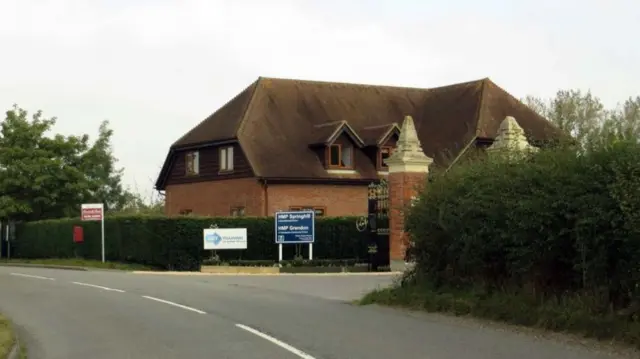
point(225, 238)
point(295, 227)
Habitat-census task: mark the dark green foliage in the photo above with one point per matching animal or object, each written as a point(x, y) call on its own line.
point(176, 243)
point(559, 222)
point(45, 175)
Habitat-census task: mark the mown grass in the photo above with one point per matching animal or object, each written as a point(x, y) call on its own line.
point(568, 314)
point(6, 337)
point(79, 262)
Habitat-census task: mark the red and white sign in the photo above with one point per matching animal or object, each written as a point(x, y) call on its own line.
point(92, 211)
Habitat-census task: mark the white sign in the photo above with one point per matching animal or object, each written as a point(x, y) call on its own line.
point(225, 238)
point(94, 212)
point(91, 211)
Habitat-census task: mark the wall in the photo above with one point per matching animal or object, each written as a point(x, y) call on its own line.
point(216, 198)
point(209, 166)
point(337, 200)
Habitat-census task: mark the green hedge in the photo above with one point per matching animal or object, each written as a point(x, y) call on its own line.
point(176, 242)
point(560, 222)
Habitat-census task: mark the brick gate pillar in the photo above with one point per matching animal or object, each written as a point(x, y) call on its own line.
point(408, 171)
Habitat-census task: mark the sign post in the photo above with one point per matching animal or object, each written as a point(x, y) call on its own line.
point(295, 227)
point(8, 244)
point(94, 212)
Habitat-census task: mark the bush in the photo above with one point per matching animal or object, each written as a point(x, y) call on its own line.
point(176, 243)
point(558, 222)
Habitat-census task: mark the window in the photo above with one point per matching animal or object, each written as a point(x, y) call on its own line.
point(192, 163)
point(237, 211)
point(226, 159)
point(384, 153)
point(185, 212)
point(340, 156)
point(320, 211)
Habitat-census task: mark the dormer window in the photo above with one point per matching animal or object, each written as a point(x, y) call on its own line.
point(383, 154)
point(340, 156)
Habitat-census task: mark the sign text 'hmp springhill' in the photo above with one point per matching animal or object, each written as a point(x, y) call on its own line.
point(295, 227)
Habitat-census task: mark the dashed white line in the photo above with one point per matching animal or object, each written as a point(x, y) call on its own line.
point(277, 342)
point(174, 304)
point(99, 287)
point(32, 276)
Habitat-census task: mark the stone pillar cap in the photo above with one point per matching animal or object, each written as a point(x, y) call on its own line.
point(408, 155)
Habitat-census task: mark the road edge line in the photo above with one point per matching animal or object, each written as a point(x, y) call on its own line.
point(291, 349)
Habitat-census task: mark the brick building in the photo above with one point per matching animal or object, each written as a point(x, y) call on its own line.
point(290, 144)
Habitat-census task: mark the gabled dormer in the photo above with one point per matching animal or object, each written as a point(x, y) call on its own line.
point(335, 144)
point(380, 141)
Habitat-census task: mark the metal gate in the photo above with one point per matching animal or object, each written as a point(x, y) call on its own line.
point(376, 224)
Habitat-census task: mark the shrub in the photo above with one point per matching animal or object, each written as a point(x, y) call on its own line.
point(558, 222)
point(176, 243)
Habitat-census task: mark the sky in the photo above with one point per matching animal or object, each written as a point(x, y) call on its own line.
point(156, 68)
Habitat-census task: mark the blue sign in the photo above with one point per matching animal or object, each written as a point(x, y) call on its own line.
point(213, 238)
point(295, 227)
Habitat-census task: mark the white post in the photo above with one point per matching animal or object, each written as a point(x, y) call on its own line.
point(310, 251)
point(279, 252)
point(102, 232)
point(8, 244)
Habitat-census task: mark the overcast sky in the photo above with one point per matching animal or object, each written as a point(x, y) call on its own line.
point(155, 68)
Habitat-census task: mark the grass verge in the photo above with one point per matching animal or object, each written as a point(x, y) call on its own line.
point(78, 262)
point(570, 315)
point(6, 337)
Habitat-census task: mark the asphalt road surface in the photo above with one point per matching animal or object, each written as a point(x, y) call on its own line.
point(99, 314)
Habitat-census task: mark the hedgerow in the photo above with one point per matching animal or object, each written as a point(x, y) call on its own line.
point(556, 223)
point(176, 243)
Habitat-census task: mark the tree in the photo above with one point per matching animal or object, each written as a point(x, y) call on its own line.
point(50, 176)
point(136, 204)
point(584, 116)
point(104, 179)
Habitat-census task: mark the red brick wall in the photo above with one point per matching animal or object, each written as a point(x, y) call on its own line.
point(337, 200)
point(402, 186)
point(215, 198)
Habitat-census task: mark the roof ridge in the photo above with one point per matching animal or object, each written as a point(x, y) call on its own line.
point(218, 109)
point(372, 85)
point(332, 123)
point(381, 126)
point(481, 103)
point(243, 120)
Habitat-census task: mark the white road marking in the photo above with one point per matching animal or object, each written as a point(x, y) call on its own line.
point(174, 304)
point(277, 342)
point(32, 276)
point(99, 287)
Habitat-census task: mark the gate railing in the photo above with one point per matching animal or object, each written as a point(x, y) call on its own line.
point(376, 223)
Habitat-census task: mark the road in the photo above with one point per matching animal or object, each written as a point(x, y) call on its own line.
point(63, 314)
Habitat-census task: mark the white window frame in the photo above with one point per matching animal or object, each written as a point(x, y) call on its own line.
point(226, 159)
point(195, 158)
